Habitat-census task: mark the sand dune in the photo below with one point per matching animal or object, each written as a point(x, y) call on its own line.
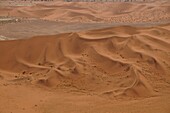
point(119, 60)
point(121, 69)
point(92, 12)
point(60, 57)
point(89, 68)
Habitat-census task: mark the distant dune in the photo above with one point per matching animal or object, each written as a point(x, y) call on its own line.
point(93, 12)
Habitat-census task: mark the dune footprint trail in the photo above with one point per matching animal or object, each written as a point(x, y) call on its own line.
point(113, 62)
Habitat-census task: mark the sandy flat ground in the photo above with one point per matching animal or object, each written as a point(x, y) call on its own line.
point(81, 58)
point(27, 28)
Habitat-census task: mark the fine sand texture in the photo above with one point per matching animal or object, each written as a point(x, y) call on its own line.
point(121, 69)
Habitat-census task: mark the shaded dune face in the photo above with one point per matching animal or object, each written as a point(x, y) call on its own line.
point(119, 61)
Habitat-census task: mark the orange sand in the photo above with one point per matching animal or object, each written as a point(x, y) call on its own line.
point(114, 70)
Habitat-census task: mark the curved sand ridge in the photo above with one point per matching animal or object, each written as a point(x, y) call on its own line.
point(118, 61)
point(94, 12)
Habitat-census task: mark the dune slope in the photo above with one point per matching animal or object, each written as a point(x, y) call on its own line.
point(125, 63)
point(119, 60)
